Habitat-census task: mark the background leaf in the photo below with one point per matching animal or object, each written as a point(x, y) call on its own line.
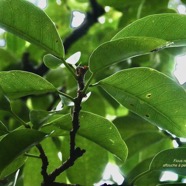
point(13, 166)
point(151, 95)
point(22, 139)
point(16, 84)
point(158, 26)
point(119, 50)
point(171, 160)
point(3, 129)
point(51, 61)
point(33, 25)
point(95, 128)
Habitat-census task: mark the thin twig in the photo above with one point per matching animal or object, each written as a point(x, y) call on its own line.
point(75, 152)
point(44, 163)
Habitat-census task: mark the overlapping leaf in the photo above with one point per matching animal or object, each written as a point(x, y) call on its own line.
point(16, 143)
point(171, 160)
point(158, 26)
point(16, 84)
point(119, 50)
point(152, 95)
point(96, 129)
point(29, 22)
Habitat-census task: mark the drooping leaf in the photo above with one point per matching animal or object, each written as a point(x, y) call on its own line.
point(158, 26)
point(16, 84)
point(16, 143)
point(119, 50)
point(52, 61)
point(151, 95)
point(29, 22)
point(170, 160)
point(95, 128)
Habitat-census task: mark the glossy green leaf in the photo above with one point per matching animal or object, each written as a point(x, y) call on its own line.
point(95, 128)
point(119, 50)
point(16, 84)
point(29, 22)
point(52, 61)
point(158, 26)
point(171, 160)
point(16, 143)
point(151, 95)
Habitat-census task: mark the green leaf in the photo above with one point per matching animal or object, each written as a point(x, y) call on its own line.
point(119, 50)
point(131, 125)
point(32, 165)
point(170, 184)
point(13, 167)
point(158, 26)
point(94, 128)
point(150, 179)
point(38, 117)
point(148, 152)
point(171, 160)
point(52, 61)
point(6, 59)
point(142, 140)
point(138, 169)
point(29, 22)
point(89, 163)
point(3, 129)
point(16, 143)
point(15, 44)
point(5, 104)
point(151, 95)
point(16, 84)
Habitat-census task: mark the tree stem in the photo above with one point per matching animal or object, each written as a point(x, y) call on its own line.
point(75, 152)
